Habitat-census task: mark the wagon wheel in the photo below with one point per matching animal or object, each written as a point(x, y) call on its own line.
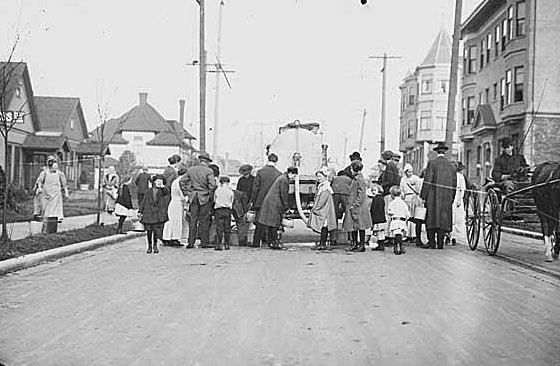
point(492, 221)
point(472, 218)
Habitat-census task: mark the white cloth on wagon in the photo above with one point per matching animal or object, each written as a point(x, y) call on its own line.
point(173, 228)
point(459, 224)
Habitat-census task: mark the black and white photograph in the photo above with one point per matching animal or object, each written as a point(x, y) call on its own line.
point(279, 182)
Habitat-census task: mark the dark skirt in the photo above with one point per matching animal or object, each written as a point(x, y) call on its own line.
point(153, 227)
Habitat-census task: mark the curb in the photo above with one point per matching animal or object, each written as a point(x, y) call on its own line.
point(30, 260)
point(525, 233)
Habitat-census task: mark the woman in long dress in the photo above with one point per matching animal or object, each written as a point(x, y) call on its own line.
point(110, 188)
point(51, 182)
point(173, 229)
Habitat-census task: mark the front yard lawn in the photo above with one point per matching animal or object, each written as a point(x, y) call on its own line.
point(41, 242)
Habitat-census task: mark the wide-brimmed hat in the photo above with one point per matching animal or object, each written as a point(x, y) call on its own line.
point(273, 158)
point(506, 142)
point(204, 156)
point(355, 156)
point(387, 155)
point(408, 167)
point(159, 176)
point(441, 147)
point(173, 159)
point(245, 168)
point(51, 158)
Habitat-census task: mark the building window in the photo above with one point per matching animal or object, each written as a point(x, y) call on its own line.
point(17, 165)
point(426, 86)
point(510, 22)
point(443, 86)
point(470, 110)
point(18, 92)
point(468, 162)
point(404, 97)
point(487, 160)
point(478, 160)
point(508, 88)
point(497, 41)
point(502, 93)
point(71, 123)
point(504, 34)
point(465, 61)
point(480, 98)
point(520, 20)
point(425, 120)
point(486, 95)
point(464, 111)
point(519, 75)
point(488, 47)
point(472, 60)
point(411, 96)
point(411, 128)
point(440, 123)
point(495, 87)
point(482, 51)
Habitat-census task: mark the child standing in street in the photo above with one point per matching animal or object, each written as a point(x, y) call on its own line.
point(154, 211)
point(223, 203)
point(123, 204)
point(399, 214)
point(378, 218)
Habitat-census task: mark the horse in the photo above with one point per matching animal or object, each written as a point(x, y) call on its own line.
point(547, 201)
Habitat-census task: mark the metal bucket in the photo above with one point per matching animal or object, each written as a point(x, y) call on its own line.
point(51, 225)
point(138, 226)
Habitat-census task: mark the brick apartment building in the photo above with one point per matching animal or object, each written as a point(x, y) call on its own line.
point(424, 96)
point(510, 83)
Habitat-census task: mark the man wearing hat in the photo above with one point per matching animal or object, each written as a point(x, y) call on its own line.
point(348, 170)
point(508, 166)
point(438, 193)
point(241, 198)
point(261, 185)
point(142, 183)
point(391, 175)
point(199, 184)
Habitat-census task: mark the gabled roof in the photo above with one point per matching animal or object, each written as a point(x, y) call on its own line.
point(484, 11)
point(14, 72)
point(440, 52)
point(143, 118)
point(177, 128)
point(55, 112)
point(91, 148)
point(45, 143)
point(484, 119)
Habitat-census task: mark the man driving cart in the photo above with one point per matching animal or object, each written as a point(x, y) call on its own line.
point(509, 167)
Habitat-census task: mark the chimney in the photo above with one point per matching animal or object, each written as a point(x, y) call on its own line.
point(182, 112)
point(143, 98)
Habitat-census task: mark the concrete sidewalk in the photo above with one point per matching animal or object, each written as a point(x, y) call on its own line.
point(22, 230)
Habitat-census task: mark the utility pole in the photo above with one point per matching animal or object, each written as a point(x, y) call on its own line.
point(202, 77)
point(217, 96)
point(383, 97)
point(362, 131)
point(453, 78)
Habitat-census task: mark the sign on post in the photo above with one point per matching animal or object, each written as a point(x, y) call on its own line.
point(13, 117)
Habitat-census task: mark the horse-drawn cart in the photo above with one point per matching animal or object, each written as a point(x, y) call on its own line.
point(490, 208)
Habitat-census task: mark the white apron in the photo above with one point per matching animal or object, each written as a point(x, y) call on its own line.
point(52, 193)
point(173, 228)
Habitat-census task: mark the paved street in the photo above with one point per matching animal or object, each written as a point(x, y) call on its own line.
point(119, 306)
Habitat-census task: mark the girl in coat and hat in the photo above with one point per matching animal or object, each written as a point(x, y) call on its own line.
point(357, 217)
point(323, 215)
point(154, 211)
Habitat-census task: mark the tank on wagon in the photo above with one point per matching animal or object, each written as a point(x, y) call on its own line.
point(300, 144)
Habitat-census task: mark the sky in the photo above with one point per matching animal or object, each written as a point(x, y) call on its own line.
point(292, 59)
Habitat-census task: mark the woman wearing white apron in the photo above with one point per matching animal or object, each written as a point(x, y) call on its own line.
point(51, 182)
point(410, 188)
point(111, 184)
point(173, 229)
point(459, 226)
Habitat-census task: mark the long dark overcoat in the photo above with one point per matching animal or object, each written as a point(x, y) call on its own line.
point(264, 179)
point(155, 211)
point(357, 215)
point(275, 203)
point(438, 191)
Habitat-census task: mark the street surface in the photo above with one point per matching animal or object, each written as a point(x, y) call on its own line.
point(119, 306)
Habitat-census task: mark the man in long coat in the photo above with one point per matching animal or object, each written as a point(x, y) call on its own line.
point(199, 184)
point(438, 191)
point(261, 185)
point(274, 205)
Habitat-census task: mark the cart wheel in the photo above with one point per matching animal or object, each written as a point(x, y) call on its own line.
point(472, 213)
point(492, 221)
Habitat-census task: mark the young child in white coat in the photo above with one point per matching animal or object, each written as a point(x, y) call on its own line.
point(399, 214)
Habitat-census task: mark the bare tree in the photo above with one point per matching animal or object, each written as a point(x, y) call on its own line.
point(9, 79)
point(105, 135)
